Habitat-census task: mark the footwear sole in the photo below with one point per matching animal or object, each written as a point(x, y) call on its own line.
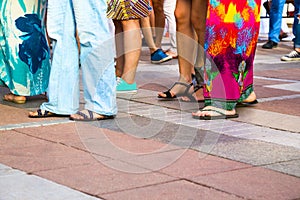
point(216, 117)
point(94, 119)
point(290, 59)
point(163, 60)
point(127, 92)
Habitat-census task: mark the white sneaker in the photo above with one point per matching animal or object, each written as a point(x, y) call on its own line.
point(292, 56)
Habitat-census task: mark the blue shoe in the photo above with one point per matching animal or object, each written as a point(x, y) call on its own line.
point(124, 87)
point(159, 56)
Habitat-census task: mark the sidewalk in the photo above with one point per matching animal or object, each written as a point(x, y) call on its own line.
point(155, 150)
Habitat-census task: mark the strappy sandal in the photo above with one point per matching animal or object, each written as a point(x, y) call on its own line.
point(41, 114)
point(90, 116)
point(186, 92)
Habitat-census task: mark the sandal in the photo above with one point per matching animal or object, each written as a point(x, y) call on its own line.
point(89, 116)
point(41, 114)
point(185, 92)
point(220, 114)
point(14, 98)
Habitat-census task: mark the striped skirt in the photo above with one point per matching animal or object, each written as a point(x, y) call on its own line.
point(128, 9)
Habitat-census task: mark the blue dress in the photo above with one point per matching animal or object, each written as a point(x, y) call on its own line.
point(24, 51)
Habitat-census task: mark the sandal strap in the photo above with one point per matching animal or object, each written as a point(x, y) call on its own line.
point(82, 114)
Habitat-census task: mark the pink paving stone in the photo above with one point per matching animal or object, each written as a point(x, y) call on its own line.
point(36, 154)
point(286, 73)
point(89, 137)
point(193, 163)
point(254, 183)
point(172, 190)
point(12, 115)
point(60, 133)
point(98, 179)
point(14, 140)
point(111, 143)
point(291, 106)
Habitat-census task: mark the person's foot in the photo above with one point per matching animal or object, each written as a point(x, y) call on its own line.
point(171, 53)
point(159, 56)
point(198, 96)
point(124, 87)
point(250, 98)
point(210, 112)
point(292, 56)
point(270, 45)
point(14, 98)
point(41, 114)
point(87, 115)
point(282, 36)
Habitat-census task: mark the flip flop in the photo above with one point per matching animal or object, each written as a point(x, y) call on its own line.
point(42, 114)
point(90, 117)
point(220, 116)
point(251, 103)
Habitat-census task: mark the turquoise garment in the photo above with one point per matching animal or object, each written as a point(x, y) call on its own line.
point(24, 51)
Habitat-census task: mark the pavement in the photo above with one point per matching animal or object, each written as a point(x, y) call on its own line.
point(155, 149)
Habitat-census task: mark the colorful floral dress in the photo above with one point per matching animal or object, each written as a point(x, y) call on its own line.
point(24, 52)
point(231, 38)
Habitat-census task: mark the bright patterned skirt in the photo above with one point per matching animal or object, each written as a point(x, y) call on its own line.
point(128, 9)
point(24, 52)
point(232, 29)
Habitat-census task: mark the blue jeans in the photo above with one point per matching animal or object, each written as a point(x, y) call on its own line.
point(296, 25)
point(88, 17)
point(275, 19)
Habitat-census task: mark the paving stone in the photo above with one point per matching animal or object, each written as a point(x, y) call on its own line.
point(289, 167)
point(193, 163)
point(16, 184)
point(171, 190)
point(270, 119)
point(36, 154)
point(249, 151)
point(254, 183)
point(100, 179)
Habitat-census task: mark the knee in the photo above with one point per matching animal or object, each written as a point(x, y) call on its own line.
point(180, 16)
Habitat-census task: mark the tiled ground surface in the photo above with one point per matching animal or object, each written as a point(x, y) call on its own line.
point(155, 150)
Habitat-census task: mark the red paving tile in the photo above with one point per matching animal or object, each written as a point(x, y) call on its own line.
point(286, 73)
point(31, 154)
point(12, 115)
point(193, 163)
point(172, 190)
point(254, 183)
point(99, 179)
point(291, 106)
point(60, 133)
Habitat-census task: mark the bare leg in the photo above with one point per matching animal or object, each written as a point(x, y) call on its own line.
point(119, 38)
point(132, 48)
point(147, 32)
point(159, 21)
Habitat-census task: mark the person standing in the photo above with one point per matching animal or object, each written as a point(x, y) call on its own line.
point(231, 41)
point(96, 58)
point(274, 24)
point(126, 16)
point(190, 23)
point(295, 54)
point(24, 50)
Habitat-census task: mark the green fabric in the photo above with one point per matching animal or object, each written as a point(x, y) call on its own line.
point(24, 51)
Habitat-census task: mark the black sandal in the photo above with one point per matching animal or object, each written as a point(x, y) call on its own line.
point(185, 93)
point(41, 114)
